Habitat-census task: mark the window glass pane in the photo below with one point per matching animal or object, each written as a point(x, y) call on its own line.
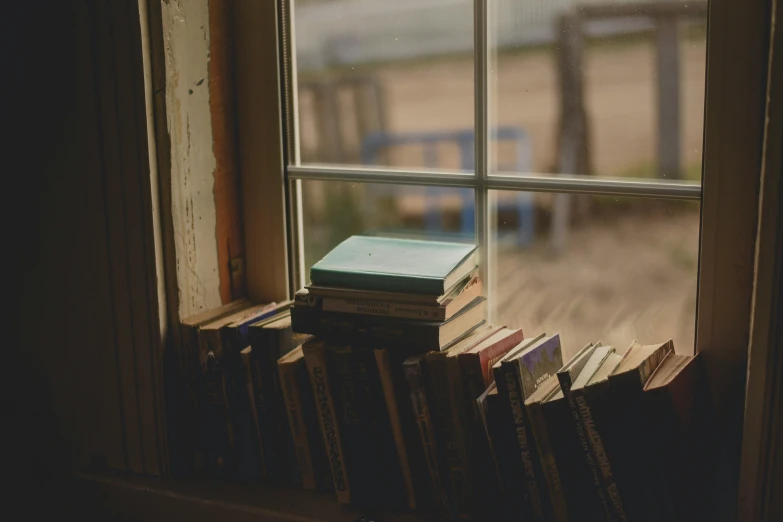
point(334, 211)
point(614, 93)
point(385, 83)
point(618, 269)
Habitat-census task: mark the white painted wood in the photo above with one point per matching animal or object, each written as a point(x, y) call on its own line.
point(186, 40)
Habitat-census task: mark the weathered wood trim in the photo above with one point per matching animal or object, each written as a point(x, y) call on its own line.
point(194, 220)
point(222, 106)
point(734, 115)
point(763, 430)
point(260, 137)
point(130, 232)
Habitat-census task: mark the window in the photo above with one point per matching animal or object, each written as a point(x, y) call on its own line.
point(563, 137)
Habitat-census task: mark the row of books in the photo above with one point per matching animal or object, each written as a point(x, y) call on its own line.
point(383, 383)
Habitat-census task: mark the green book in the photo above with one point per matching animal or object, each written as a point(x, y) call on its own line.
point(395, 265)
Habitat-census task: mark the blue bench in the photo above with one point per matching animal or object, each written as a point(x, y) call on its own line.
point(522, 203)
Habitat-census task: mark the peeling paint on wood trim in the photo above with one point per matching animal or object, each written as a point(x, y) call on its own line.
point(186, 41)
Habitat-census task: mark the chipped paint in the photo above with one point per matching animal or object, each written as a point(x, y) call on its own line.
point(186, 41)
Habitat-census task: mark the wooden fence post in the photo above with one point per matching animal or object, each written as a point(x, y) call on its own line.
point(668, 63)
point(573, 140)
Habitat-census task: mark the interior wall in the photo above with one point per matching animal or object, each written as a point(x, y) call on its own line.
point(83, 364)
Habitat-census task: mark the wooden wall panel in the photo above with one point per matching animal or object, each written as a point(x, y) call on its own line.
point(86, 367)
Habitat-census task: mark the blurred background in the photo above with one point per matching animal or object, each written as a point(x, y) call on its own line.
point(597, 88)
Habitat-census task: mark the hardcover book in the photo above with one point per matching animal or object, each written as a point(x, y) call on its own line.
point(462, 294)
point(569, 379)
point(569, 445)
point(415, 370)
point(183, 381)
point(511, 465)
point(395, 265)
point(447, 431)
point(272, 339)
point(690, 478)
point(423, 335)
point(622, 436)
point(468, 375)
point(535, 410)
point(596, 414)
point(364, 425)
point(220, 342)
point(303, 421)
point(403, 421)
point(523, 372)
point(315, 358)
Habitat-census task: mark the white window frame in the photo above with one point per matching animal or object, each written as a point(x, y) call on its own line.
point(482, 180)
point(271, 174)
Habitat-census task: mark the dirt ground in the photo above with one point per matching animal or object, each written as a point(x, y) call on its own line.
point(630, 269)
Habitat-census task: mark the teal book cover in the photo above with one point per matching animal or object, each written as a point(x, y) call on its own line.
point(394, 265)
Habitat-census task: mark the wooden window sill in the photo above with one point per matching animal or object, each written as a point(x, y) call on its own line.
point(121, 497)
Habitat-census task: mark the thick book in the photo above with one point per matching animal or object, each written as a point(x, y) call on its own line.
point(488, 492)
point(220, 342)
point(364, 425)
point(535, 410)
point(183, 380)
point(511, 466)
point(314, 291)
point(531, 367)
point(303, 421)
point(423, 335)
point(568, 447)
point(569, 379)
point(247, 426)
point(592, 399)
point(272, 339)
point(467, 375)
point(415, 371)
point(470, 373)
point(623, 435)
point(441, 390)
point(688, 469)
point(456, 300)
point(316, 360)
point(484, 407)
point(395, 265)
point(403, 422)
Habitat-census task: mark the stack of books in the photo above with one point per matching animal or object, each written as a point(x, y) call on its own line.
point(373, 303)
point(606, 436)
point(383, 383)
point(229, 416)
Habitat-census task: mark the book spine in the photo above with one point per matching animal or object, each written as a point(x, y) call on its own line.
point(415, 378)
point(296, 422)
point(378, 282)
point(549, 465)
point(182, 401)
point(315, 357)
point(216, 429)
point(511, 466)
point(623, 437)
point(565, 386)
point(383, 363)
point(524, 440)
point(249, 449)
point(424, 336)
point(439, 392)
point(457, 439)
point(377, 439)
point(312, 427)
point(384, 309)
point(598, 455)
